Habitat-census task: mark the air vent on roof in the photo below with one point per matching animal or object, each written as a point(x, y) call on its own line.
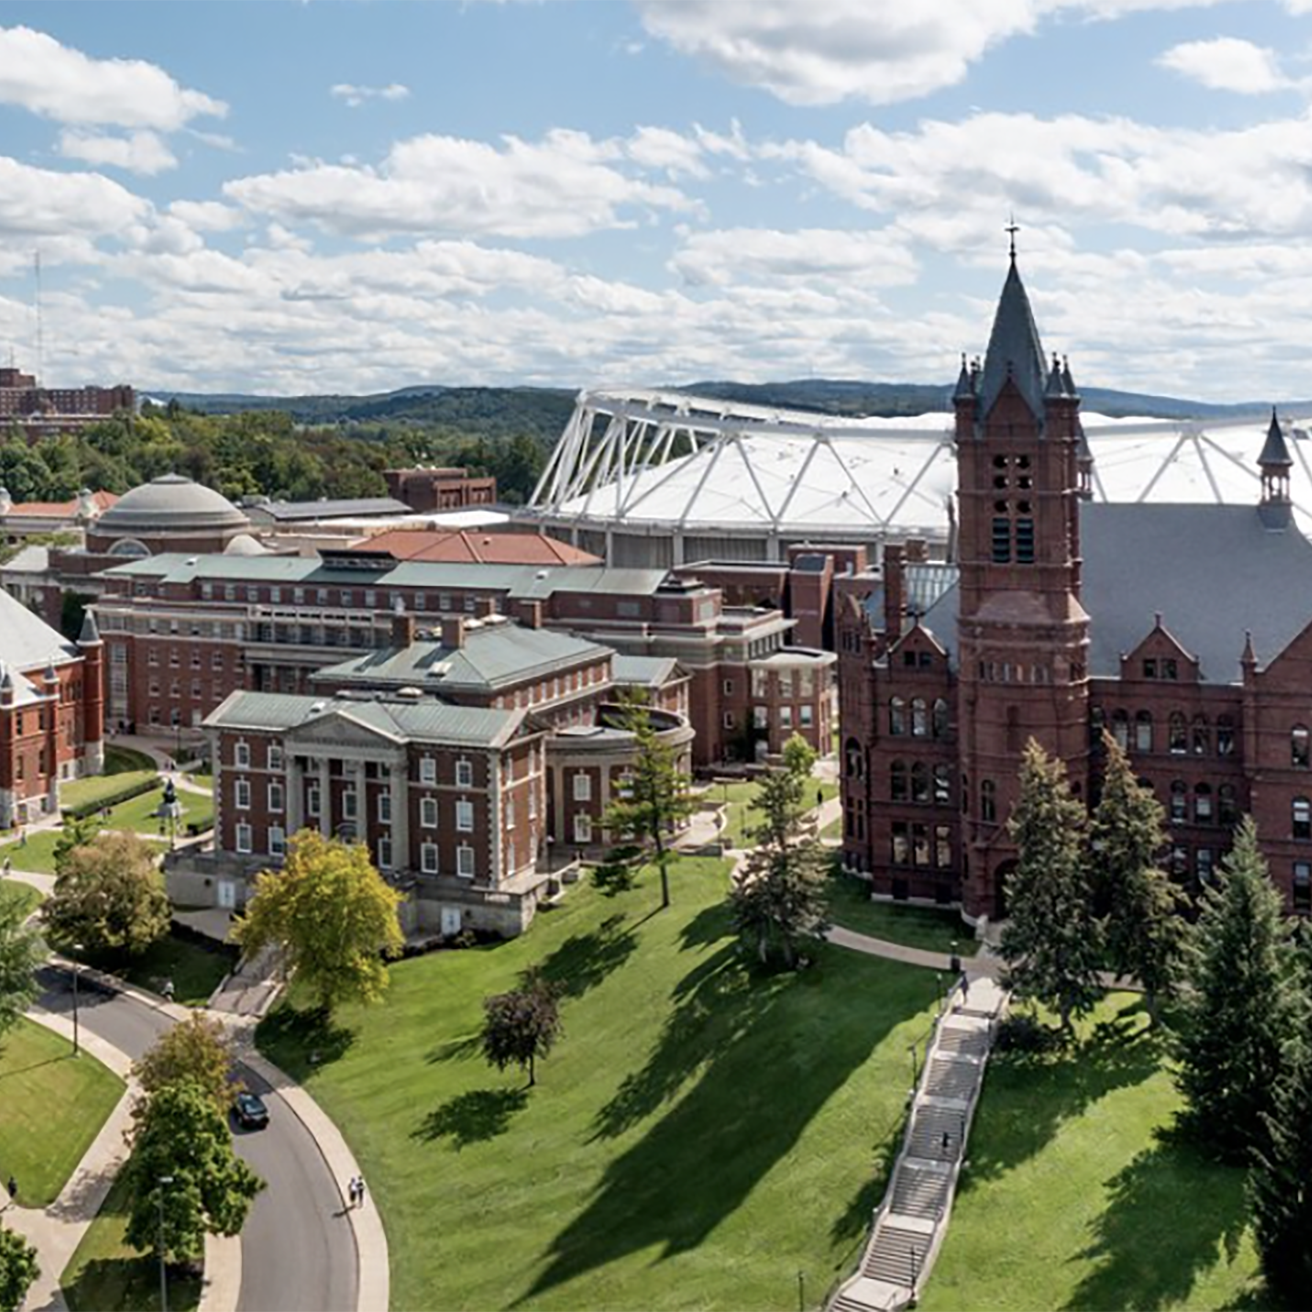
point(541, 574)
point(316, 707)
point(193, 560)
point(410, 694)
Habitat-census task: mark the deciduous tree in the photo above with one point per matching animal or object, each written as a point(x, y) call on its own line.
point(74, 834)
point(21, 953)
point(1144, 927)
point(331, 913)
point(18, 1269)
point(522, 1025)
point(658, 797)
point(196, 1050)
point(182, 1136)
point(1241, 1007)
point(1052, 942)
point(109, 897)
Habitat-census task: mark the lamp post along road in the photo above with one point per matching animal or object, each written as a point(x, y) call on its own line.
point(77, 971)
point(163, 1270)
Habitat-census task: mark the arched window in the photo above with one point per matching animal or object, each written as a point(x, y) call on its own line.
point(1121, 729)
point(854, 760)
point(919, 718)
point(1203, 804)
point(1179, 801)
point(1225, 735)
point(988, 801)
point(942, 785)
point(1097, 723)
point(1202, 736)
point(1143, 731)
point(897, 781)
point(1227, 809)
point(940, 718)
point(897, 716)
point(1178, 739)
point(1298, 744)
point(1302, 817)
point(920, 782)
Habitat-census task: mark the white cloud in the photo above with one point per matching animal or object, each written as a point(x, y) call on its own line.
point(563, 186)
point(58, 82)
point(138, 152)
point(672, 152)
point(207, 215)
point(820, 52)
point(36, 202)
point(817, 256)
point(355, 96)
point(1226, 64)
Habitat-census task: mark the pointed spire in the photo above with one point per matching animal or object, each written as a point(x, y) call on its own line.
point(1014, 351)
point(1275, 453)
point(1071, 389)
point(1055, 388)
point(1249, 659)
point(50, 675)
point(90, 630)
point(965, 389)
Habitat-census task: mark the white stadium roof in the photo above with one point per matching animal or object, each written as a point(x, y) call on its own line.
point(746, 469)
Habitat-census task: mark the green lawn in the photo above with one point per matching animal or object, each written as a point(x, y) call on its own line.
point(13, 890)
point(698, 1138)
point(123, 760)
point(101, 785)
point(913, 927)
point(140, 812)
point(105, 1275)
point(195, 971)
point(38, 853)
point(54, 1105)
point(739, 795)
point(1074, 1199)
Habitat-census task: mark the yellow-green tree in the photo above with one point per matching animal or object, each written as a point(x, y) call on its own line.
point(197, 1049)
point(333, 916)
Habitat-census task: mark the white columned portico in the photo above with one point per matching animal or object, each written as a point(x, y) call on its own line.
point(295, 794)
point(325, 798)
point(400, 790)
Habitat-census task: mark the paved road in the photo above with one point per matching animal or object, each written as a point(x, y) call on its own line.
point(297, 1255)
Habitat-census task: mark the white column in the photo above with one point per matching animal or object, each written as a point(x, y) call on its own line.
point(295, 786)
point(400, 815)
point(355, 773)
point(325, 799)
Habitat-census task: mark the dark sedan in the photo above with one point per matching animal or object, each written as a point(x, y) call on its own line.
point(250, 1111)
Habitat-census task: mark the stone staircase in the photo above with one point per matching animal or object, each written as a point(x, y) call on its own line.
point(910, 1222)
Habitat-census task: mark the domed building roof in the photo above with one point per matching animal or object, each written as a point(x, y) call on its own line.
point(245, 545)
point(171, 504)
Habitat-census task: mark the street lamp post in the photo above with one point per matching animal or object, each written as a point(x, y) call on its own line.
point(77, 971)
point(163, 1270)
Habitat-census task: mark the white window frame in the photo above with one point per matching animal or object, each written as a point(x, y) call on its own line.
point(275, 756)
point(277, 841)
point(510, 812)
point(314, 802)
point(464, 773)
point(582, 827)
point(241, 754)
point(243, 838)
point(464, 816)
point(276, 798)
point(428, 812)
point(428, 858)
point(465, 861)
point(582, 786)
point(427, 769)
point(384, 853)
point(385, 807)
point(241, 795)
point(350, 804)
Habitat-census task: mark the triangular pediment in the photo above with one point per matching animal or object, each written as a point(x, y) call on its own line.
point(340, 728)
point(1160, 656)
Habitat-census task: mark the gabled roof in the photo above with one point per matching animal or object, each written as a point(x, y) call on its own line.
point(27, 642)
point(1015, 351)
point(478, 546)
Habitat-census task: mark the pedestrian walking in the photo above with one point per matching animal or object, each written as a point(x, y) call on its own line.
point(8, 866)
point(947, 1143)
point(819, 798)
point(22, 836)
point(965, 985)
point(359, 1190)
point(350, 1191)
point(12, 1186)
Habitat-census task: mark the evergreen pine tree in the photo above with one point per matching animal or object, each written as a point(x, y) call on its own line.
point(1280, 1181)
point(1241, 1008)
point(1144, 929)
point(1052, 941)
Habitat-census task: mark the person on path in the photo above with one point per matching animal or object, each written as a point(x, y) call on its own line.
point(8, 866)
point(359, 1190)
point(12, 1186)
point(819, 798)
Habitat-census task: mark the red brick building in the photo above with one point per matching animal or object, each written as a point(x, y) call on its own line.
point(447, 488)
point(1186, 630)
point(51, 711)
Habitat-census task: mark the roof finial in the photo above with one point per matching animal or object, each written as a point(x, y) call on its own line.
point(1012, 229)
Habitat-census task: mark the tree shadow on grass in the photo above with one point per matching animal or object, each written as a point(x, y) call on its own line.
point(1171, 1215)
point(300, 1041)
point(1029, 1095)
point(707, 927)
point(472, 1117)
point(583, 961)
point(854, 1221)
point(456, 1049)
point(131, 1282)
point(742, 1067)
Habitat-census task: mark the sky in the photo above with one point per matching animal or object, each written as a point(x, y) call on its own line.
point(359, 195)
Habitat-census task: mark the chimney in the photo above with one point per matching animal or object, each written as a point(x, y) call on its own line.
point(894, 594)
point(485, 607)
point(453, 631)
point(917, 549)
point(529, 613)
point(403, 629)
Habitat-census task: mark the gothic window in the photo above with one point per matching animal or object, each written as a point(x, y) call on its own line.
point(901, 846)
point(940, 718)
point(1179, 801)
point(1303, 887)
point(1301, 817)
point(1227, 809)
point(942, 785)
point(943, 847)
point(1097, 723)
point(853, 763)
point(1202, 736)
point(1143, 731)
point(1298, 744)
point(920, 844)
point(1179, 736)
point(1225, 736)
point(988, 801)
point(1121, 729)
point(897, 781)
point(920, 782)
point(897, 716)
point(1204, 864)
point(919, 718)
point(1203, 804)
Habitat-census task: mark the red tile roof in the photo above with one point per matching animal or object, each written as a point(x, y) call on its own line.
point(68, 509)
point(477, 546)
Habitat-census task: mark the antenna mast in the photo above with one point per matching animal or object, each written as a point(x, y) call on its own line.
point(40, 339)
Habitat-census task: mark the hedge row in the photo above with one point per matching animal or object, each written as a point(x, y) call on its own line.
point(110, 800)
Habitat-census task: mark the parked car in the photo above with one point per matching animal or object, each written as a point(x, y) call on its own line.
point(250, 1111)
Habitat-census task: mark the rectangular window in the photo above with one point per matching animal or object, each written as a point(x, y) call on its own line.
point(1149, 668)
point(428, 812)
point(728, 719)
point(277, 841)
point(464, 774)
point(241, 755)
point(808, 713)
point(943, 847)
point(1303, 887)
point(275, 798)
point(385, 808)
point(1025, 541)
point(465, 861)
point(312, 802)
point(242, 795)
point(243, 838)
point(901, 844)
point(427, 770)
point(510, 812)
point(275, 756)
point(1001, 540)
point(428, 858)
point(920, 844)
point(760, 717)
point(785, 717)
point(465, 817)
point(582, 827)
point(582, 787)
point(349, 801)
point(727, 687)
